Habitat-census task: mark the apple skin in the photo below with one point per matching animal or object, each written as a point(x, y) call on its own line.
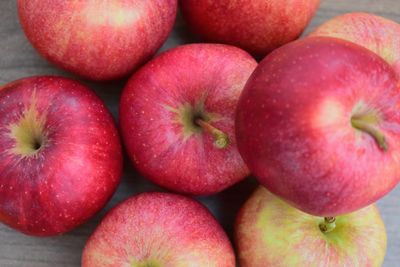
point(257, 26)
point(51, 189)
point(295, 128)
point(157, 111)
point(376, 33)
point(97, 39)
point(269, 232)
point(159, 229)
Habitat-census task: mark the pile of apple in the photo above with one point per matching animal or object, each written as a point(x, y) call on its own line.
point(317, 122)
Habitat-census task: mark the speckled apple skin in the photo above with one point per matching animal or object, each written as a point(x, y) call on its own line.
point(97, 39)
point(294, 131)
point(270, 233)
point(76, 171)
point(172, 230)
point(378, 34)
point(155, 140)
point(258, 26)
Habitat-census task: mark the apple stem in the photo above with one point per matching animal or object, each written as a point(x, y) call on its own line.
point(328, 225)
point(221, 140)
point(368, 128)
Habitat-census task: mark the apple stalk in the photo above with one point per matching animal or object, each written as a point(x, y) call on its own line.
point(221, 139)
point(328, 225)
point(367, 127)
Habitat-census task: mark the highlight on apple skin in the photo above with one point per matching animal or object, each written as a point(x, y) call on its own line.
point(269, 232)
point(177, 117)
point(376, 33)
point(97, 39)
point(60, 159)
point(257, 26)
point(159, 229)
point(317, 124)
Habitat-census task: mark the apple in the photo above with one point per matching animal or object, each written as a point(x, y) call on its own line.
point(318, 125)
point(61, 158)
point(378, 34)
point(158, 229)
point(177, 117)
point(97, 39)
point(258, 26)
point(269, 232)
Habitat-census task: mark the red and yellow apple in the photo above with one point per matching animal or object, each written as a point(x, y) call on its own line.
point(158, 229)
point(97, 39)
point(318, 124)
point(177, 117)
point(269, 232)
point(376, 33)
point(258, 26)
point(60, 158)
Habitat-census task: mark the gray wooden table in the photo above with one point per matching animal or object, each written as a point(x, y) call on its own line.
point(18, 59)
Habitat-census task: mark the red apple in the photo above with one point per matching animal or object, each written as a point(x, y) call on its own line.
point(269, 232)
point(159, 229)
point(378, 34)
point(177, 117)
point(97, 39)
point(319, 125)
point(258, 26)
point(60, 158)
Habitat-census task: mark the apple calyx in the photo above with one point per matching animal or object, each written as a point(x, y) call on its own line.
point(328, 225)
point(367, 123)
point(28, 132)
point(221, 139)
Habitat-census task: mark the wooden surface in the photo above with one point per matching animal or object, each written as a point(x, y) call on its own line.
point(18, 59)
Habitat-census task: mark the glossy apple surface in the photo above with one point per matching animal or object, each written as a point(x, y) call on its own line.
point(258, 26)
point(376, 33)
point(269, 232)
point(160, 110)
point(97, 39)
point(318, 125)
point(60, 157)
point(159, 229)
